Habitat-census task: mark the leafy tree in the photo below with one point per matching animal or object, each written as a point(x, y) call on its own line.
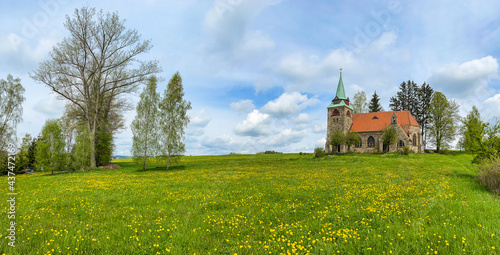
point(352, 138)
point(474, 131)
point(173, 119)
point(444, 115)
point(23, 155)
point(81, 150)
point(104, 147)
point(337, 138)
point(11, 108)
point(50, 147)
point(390, 136)
point(359, 102)
point(97, 63)
point(144, 126)
point(375, 104)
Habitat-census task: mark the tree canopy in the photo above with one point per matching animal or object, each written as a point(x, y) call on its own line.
point(443, 116)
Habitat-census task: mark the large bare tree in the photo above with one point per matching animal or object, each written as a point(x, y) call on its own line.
point(95, 64)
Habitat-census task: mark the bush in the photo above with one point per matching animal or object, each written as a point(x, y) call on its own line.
point(406, 150)
point(319, 152)
point(272, 152)
point(490, 176)
point(375, 151)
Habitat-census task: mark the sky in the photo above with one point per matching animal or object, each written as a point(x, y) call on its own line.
point(260, 74)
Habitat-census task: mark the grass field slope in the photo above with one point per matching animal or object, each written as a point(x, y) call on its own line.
point(260, 204)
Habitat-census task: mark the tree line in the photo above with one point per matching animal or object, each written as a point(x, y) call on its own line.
point(92, 70)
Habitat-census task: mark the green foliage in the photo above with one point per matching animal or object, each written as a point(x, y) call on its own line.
point(337, 138)
point(173, 120)
point(272, 152)
point(144, 127)
point(319, 152)
point(406, 150)
point(104, 147)
point(50, 148)
point(444, 115)
point(81, 151)
point(359, 102)
point(11, 108)
point(352, 138)
point(474, 132)
point(390, 136)
point(489, 176)
point(374, 105)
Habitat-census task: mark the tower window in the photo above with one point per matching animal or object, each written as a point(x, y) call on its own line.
point(348, 113)
point(336, 112)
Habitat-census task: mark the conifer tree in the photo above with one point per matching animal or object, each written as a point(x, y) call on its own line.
point(173, 120)
point(375, 103)
point(145, 125)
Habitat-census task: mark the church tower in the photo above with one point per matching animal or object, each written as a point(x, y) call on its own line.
point(339, 117)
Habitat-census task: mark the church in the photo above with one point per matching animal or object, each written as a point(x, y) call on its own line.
point(370, 127)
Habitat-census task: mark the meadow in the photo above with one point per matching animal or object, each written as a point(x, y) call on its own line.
point(260, 204)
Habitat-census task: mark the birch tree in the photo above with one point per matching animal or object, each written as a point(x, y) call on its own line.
point(145, 125)
point(173, 119)
point(11, 108)
point(94, 65)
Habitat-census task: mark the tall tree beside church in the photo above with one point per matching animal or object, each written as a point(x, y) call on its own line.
point(423, 115)
point(444, 115)
point(98, 62)
point(375, 103)
point(414, 99)
point(144, 126)
point(359, 102)
point(173, 120)
point(474, 131)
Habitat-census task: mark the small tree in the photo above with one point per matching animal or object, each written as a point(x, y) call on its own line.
point(390, 136)
point(474, 131)
point(352, 138)
point(444, 115)
point(173, 120)
point(145, 127)
point(50, 148)
point(375, 104)
point(11, 108)
point(319, 152)
point(337, 138)
point(359, 102)
point(81, 150)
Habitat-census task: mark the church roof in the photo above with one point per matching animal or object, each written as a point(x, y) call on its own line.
point(342, 103)
point(340, 89)
point(378, 121)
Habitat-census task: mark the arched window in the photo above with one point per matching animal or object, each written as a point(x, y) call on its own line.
point(335, 112)
point(348, 113)
point(371, 142)
point(401, 144)
point(414, 142)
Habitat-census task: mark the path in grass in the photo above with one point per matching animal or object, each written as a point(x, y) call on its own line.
point(256, 204)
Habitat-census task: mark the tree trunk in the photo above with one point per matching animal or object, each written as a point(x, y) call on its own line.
point(144, 164)
point(168, 162)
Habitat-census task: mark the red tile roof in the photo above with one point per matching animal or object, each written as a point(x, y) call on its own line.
point(365, 122)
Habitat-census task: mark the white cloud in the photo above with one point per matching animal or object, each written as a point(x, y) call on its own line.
point(289, 103)
point(467, 79)
point(491, 108)
point(286, 137)
point(302, 118)
point(201, 119)
point(244, 105)
point(256, 124)
point(320, 129)
point(50, 106)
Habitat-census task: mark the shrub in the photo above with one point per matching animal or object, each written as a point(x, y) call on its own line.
point(406, 150)
point(490, 176)
point(375, 151)
point(300, 153)
point(319, 152)
point(272, 152)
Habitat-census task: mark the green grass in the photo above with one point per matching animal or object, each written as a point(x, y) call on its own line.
point(261, 204)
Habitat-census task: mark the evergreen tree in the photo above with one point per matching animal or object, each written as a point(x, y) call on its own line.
point(444, 115)
point(422, 115)
point(359, 102)
point(173, 120)
point(375, 104)
point(145, 126)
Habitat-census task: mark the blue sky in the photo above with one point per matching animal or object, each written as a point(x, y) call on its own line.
point(260, 74)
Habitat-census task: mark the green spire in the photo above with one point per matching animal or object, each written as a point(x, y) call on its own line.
point(340, 88)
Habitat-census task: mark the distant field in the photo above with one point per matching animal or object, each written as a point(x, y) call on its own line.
point(260, 204)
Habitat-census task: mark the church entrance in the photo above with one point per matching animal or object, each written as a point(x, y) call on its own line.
point(386, 147)
point(338, 148)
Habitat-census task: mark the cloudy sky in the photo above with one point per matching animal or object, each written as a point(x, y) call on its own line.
point(260, 74)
